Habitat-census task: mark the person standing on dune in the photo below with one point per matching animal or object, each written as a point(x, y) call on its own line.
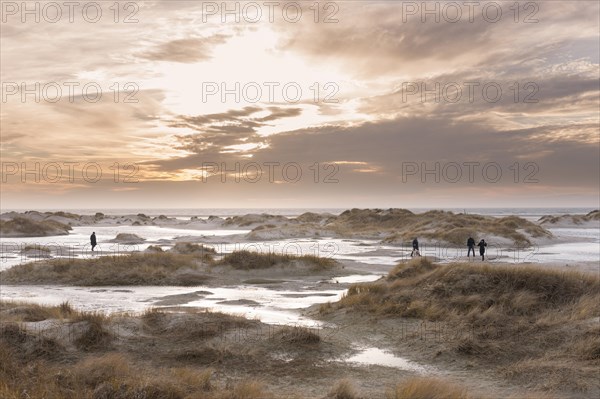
point(482, 244)
point(93, 240)
point(471, 246)
point(415, 246)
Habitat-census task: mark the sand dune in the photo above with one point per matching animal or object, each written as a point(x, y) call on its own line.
point(388, 225)
point(590, 220)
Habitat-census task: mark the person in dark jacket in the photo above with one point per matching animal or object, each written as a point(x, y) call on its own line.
point(415, 250)
point(482, 244)
point(471, 246)
point(93, 240)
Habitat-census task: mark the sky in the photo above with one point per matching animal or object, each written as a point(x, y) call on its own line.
point(339, 104)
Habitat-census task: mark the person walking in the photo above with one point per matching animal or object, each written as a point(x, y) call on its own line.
point(93, 241)
point(482, 244)
point(471, 246)
point(415, 246)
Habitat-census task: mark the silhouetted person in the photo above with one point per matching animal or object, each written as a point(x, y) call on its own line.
point(471, 246)
point(415, 245)
point(482, 244)
point(93, 240)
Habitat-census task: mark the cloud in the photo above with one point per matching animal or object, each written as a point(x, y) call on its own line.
point(81, 130)
point(279, 113)
point(368, 54)
point(373, 39)
point(217, 132)
point(511, 100)
point(188, 50)
point(382, 148)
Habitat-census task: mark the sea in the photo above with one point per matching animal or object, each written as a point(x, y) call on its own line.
point(527, 213)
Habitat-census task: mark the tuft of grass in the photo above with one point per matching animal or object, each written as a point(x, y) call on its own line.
point(95, 370)
point(96, 334)
point(36, 247)
point(197, 250)
point(325, 308)
point(561, 374)
point(249, 260)
point(15, 311)
point(154, 248)
point(427, 388)
point(191, 326)
point(248, 389)
point(28, 347)
point(191, 248)
point(317, 262)
point(588, 346)
point(414, 267)
point(297, 335)
point(343, 389)
point(191, 380)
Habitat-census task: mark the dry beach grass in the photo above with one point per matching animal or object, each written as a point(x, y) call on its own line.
point(533, 326)
point(170, 356)
point(183, 355)
point(23, 227)
point(186, 265)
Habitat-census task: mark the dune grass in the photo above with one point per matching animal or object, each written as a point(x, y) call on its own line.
point(343, 389)
point(68, 215)
point(127, 239)
point(453, 228)
point(478, 292)
point(96, 334)
point(427, 388)
point(421, 388)
point(36, 247)
point(15, 311)
point(206, 254)
point(112, 376)
point(181, 267)
point(576, 219)
point(513, 314)
point(170, 357)
point(250, 260)
point(297, 335)
point(94, 368)
point(161, 268)
point(187, 326)
point(23, 227)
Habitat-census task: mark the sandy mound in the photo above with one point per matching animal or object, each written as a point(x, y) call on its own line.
point(401, 226)
point(128, 239)
point(592, 219)
point(389, 225)
point(311, 217)
point(23, 227)
point(253, 220)
point(192, 249)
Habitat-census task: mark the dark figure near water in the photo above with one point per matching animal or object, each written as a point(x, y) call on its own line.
point(471, 246)
point(93, 240)
point(415, 250)
point(482, 244)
